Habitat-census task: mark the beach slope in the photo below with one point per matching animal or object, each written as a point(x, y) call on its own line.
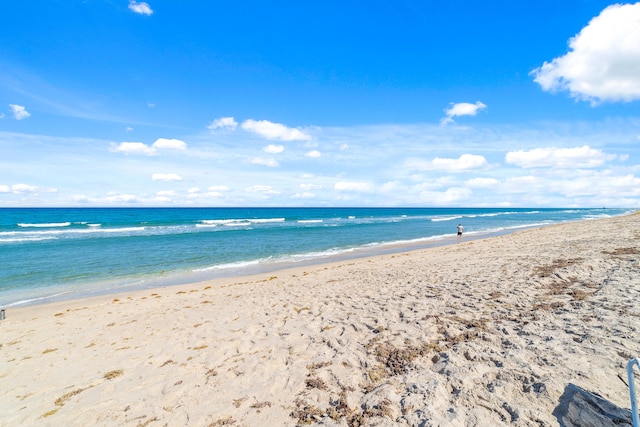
point(488, 332)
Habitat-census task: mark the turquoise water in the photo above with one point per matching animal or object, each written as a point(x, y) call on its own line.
point(49, 254)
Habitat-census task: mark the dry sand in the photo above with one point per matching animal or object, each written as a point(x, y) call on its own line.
point(482, 333)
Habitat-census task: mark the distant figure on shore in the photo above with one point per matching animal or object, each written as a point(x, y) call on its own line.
point(460, 230)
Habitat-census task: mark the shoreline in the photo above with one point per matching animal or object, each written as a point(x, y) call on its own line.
point(177, 278)
point(487, 332)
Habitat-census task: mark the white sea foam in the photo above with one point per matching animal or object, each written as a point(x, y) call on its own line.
point(240, 220)
point(45, 225)
point(206, 225)
point(445, 218)
point(228, 266)
point(95, 230)
point(310, 221)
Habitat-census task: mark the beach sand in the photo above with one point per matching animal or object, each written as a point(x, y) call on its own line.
point(483, 333)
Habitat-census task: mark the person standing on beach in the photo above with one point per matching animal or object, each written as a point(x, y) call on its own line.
point(460, 230)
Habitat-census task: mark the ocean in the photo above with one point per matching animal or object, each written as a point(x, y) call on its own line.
point(49, 254)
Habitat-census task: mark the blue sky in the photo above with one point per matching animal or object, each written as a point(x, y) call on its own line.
point(328, 103)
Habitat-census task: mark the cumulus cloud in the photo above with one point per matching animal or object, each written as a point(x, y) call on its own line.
point(465, 162)
point(25, 189)
point(219, 188)
point(19, 112)
point(166, 177)
point(578, 157)
point(169, 144)
point(273, 149)
point(272, 163)
point(133, 148)
point(141, 8)
point(461, 109)
point(482, 182)
point(449, 197)
point(274, 131)
point(120, 198)
point(142, 148)
point(314, 154)
point(304, 195)
point(359, 187)
point(225, 123)
point(308, 187)
point(262, 189)
point(603, 63)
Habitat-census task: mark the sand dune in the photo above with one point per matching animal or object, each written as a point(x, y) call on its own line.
point(482, 333)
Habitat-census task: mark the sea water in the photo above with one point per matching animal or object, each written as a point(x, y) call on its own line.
point(49, 254)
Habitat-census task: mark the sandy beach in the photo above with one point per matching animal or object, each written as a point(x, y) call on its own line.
point(483, 333)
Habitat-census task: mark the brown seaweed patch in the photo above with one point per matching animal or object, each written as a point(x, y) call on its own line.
point(315, 382)
point(113, 374)
point(238, 402)
point(229, 421)
point(549, 270)
point(49, 350)
point(63, 399)
point(318, 365)
point(51, 412)
point(260, 405)
point(305, 413)
point(200, 347)
point(623, 251)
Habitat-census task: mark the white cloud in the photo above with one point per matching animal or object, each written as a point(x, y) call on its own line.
point(120, 198)
point(23, 188)
point(226, 123)
point(166, 177)
point(313, 154)
point(141, 8)
point(272, 163)
point(273, 149)
point(578, 157)
point(142, 148)
point(193, 190)
point(263, 189)
point(166, 193)
point(19, 112)
point(603, 63)
point(465, 162)
point(133, 148)
point(4, 189)
point(358, 187)
point(26, 188)
point(308, 187)
point(449, 197)
point(304, 195)
point(219, 188)
point(482, 182)
point(461, 109)
point(170, 144)
point(274, 131)
point(128, 129)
